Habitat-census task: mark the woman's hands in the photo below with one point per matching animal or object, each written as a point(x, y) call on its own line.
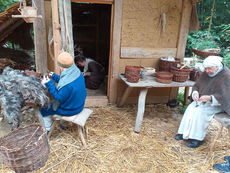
point(204, 98)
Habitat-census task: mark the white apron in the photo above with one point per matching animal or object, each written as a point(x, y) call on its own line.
point(196, 120)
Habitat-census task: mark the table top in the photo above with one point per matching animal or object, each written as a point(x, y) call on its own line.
point(150, 82)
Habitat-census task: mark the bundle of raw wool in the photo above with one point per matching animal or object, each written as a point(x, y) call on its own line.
point(17, 90)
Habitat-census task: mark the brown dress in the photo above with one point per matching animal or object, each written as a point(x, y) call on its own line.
point(218, 86)
point(96, 75)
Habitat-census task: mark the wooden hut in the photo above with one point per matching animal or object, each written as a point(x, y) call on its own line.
point(116, 33)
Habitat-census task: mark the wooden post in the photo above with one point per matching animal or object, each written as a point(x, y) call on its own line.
point(115, 49)
point(69, 26)
point(40, 40)
point(62, 23)
point(184, 28)
point(56, 33)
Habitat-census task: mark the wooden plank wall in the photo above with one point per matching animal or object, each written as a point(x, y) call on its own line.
point(40, 39)
point(143, 41)
point(115, 50)
point(184, 28)
point(56, 33)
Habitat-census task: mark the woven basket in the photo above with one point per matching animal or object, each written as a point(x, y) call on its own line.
point(205, 53)
point(179, 75)
point(194, 75)
point(132, 73)
point(164, 65)
point(25, 149)
point(164, 77)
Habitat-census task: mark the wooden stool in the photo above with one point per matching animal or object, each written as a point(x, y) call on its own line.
point(224, 119)
point(79, 119)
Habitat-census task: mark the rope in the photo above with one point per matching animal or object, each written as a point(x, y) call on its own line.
point(210, 22)
point(66, 25)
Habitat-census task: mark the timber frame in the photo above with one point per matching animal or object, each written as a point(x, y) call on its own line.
point(115, 44)
point(116, 51)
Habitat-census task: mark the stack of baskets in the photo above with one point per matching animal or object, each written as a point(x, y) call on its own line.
point(132, 73)
point(164, 77)
point(178, 75)
point(25, 149)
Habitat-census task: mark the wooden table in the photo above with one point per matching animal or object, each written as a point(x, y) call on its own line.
point(145, 84)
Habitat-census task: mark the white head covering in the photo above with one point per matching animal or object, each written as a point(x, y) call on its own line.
point(212, 61)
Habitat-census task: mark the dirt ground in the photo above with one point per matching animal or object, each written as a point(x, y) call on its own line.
point(113, 146)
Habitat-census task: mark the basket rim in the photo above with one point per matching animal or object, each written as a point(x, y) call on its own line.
point(180, 70)
point(207, 52)
point(20, 128)
point(165, 72)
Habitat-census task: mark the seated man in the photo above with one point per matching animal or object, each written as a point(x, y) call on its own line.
point(70, 92)
point(93, 72)
point(211, 95)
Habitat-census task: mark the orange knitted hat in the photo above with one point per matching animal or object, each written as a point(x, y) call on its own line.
point(65, 60)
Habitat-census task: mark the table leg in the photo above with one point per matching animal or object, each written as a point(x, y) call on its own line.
point(140, 109)
point(186, 93)
point(125, 95)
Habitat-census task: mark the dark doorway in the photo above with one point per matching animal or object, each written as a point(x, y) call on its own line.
point(91, 32)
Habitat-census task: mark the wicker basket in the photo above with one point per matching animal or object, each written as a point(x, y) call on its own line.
point(205, 53)
point(194, 75)
point(164, 77)
point(179, 75)
point(165, 65)
point(25, 149)
point(132, 73)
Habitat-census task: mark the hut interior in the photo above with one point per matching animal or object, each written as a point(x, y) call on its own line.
point(91, 33)
point(16, 42)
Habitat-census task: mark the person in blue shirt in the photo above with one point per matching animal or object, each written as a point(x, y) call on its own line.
point(69, 94)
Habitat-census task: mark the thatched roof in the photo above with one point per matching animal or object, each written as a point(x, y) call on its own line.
point(15, 30)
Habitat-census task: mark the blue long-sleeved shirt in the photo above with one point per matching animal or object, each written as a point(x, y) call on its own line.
point(71, 97)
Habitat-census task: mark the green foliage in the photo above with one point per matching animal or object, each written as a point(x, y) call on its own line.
point(220, 28)
point(226, 59)
point(221, 13)
point(223, 32)
point(180, 99)
point(4, 4)
point(200, 40)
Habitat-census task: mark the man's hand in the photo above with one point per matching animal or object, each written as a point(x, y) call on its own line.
point(50, 74)
point(205, 98)
point(45, 80)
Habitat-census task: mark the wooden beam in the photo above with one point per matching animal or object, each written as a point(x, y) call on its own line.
point(40, 40)
point(115, 52)
point(184, 28)
point(95, 1)
point(138, 52)
point(69, 26)
point(56, 33)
